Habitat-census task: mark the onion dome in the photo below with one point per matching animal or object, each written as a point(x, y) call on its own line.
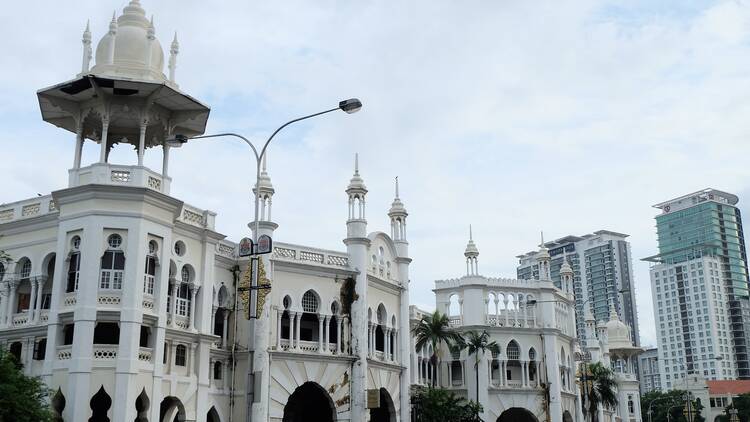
point(356, 184)
point(397, 207)
point(566, 269)
point(471, 248)
point(266, 187)
point(130, 49)
point(618, 333)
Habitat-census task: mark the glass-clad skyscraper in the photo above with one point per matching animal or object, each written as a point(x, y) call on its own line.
point(691, 229)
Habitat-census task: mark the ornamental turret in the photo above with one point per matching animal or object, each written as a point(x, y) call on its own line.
point(566, 277)
point(398, 215)
point(544, 259)
point(472, 256)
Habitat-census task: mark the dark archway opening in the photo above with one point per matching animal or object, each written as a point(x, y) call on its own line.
point(171, 410)
point(517, 414)
point(309, 402)
point(379, 339)
point(58, 405)
point(567, 417)
point(142, 404)
point(387, 411)
point(213, 415)
point(100, 404)
point(15, 351)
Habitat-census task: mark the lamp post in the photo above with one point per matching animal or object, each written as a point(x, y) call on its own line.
point(650, 411)
point(349, 106)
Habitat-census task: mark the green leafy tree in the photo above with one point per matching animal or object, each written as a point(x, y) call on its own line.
point(742, 404)
point(672, 403)
point(435, 330)
point(599, 388)
point(22, 398)
point(477, 344)
point(440, 405)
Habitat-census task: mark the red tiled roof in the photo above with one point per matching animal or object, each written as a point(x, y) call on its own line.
point(728, 387)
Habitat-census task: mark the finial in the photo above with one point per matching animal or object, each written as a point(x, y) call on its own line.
point(151, 33)
point(396, 186)
point(471, 235)
point(263, 168)
point(356, 164)
point(113, 23)
point(542, 244)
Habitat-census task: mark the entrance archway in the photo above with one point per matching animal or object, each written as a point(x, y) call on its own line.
point(387, 411)
point(567, 417)
point(309, 402)
point(517, 414)
point(171, 409)
point(100, 404)
point(213, 415)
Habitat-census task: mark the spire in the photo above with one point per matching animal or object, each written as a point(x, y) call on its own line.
point(113, 23)
point(173, 51)
point(86, 40)
point(356, 183)
point(151, 32)
point(612, 311)
point(396, 187)
point(565, 268)
point(472, 254)
point(264, 189)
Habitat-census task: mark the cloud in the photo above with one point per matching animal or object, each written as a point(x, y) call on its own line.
point(513, 116)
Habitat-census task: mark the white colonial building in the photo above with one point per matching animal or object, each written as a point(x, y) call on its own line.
point(128, 303)
point(533, 378)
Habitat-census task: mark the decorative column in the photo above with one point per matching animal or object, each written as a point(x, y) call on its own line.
point(279, 314)
point(142, 140)
point(193, 293)
point(211, 372)
point(450, 373)
point(173, 304)
point(497, 312)
point(105, 129)
point(225, 331)
point(39, 293)
point(298, 317)
point(503, 373)
point(338, 335)
point(12, 302)
point(79, 145)
point(213, 317)
point(4, 297)
point(505, 304)
point(165, 161)
point(32, 300)
point(326, 333)
point(291, 330)
point(321, 319)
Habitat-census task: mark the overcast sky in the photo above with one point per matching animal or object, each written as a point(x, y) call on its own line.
point(514, 116)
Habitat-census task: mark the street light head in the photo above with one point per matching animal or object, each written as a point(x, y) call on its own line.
point(531, 302)
point(176, 140)
point(352, 105)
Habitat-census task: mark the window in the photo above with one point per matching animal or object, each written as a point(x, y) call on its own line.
point(185, 274)
point(107, 333)
point(68, 334)
point(74, 268)
point(310, 302)
point(112, 268)
point(149, 275)
point(75, 243)
point(40, 349)
point(217, 370)
point(183, 301)
point(26, 269)
point(114, 241)
point(180, 355)
point(512, 351)
point(165, 352)
point(179, 248)
point(152, 247)
point(631, 405)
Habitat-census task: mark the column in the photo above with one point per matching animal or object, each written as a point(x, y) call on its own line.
point(213, 318)
point(279, 314)
point(450, 373)
point(4, 296)
point(165, 161)
point(298, 317)
point(327, 333)
point(32, 301)
point(172, 304)
point(370, 346)
point(505, 304)
point(338, 335)
point(497, 312)
point(211, 372)
point(321, 319)
point(386, 344)
point(103, 142)
point(79, 145)
point(142, 142)
point(225, 331)
point(12, 302)
point(193, 293)
point(524, 374)
point(503, 373)
point(38, 305)
point(291, 330)
point(395, 345)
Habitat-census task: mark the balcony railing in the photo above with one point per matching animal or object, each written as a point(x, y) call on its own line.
point(308, 346)
point(454, 321)
point(144, 354)
point(64, 352)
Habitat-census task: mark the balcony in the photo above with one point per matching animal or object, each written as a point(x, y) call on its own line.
point(308, 347)
point(28, 208)
point(64, 352)
point(454, 321)
point(110, 174)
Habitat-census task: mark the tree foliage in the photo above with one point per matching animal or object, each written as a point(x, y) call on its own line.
point(434, 329)
point(22, 398)
point(600, 388)
point(672, 402)
point(742, 404)
point(477, 344)
point(440, 405)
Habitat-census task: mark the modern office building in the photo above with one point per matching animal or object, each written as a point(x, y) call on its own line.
point(648, 370)
point(700, 288)
point(602, 273)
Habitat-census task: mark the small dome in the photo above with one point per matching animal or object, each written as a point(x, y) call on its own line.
point(471, 248)
point(397, 207)
point(137, 53)
point(356, 184)
point(618, 333)
point(565, 268)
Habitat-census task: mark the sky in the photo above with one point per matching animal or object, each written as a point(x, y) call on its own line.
point(512, 116)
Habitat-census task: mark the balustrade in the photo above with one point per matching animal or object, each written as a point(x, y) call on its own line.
point(64, 352)
point(144, 354)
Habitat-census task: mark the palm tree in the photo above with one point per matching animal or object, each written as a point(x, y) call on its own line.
point(478, 344)
point(435, 330)
point(599, 388)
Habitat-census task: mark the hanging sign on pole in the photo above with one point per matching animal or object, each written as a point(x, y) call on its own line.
point(246, 247)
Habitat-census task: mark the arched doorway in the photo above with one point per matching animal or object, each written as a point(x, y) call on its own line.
point(517, 414)
point(309, 402)
point(100, 404)
point(386, 412)
point(142, 404)
point(213, 415)
point(567, 417)
point(171, 410)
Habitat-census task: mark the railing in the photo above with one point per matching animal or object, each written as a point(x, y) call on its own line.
point(308, 346)
point(28, 208)
point(20, 319)
point(69, 300)
point(379, 355)
point(287, 252)
point(109, 299)
point(182, 322)
point(110, 174)
point(64, 352)
point(144, 354)
point(148, 303)
point(105, 352)
point(454, 321)
point(44, 315)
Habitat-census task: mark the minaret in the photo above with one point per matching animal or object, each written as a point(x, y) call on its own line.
point(398, 215)
point(566, 278)
point(472, 254)
point(86, 40)
point(357, 245)
point(174, 50)
point(111, 39)
point(150, 37)
point(261, 363)
point(544, 259)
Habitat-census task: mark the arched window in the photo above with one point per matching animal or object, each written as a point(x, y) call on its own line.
point(112, 265)
point(26, 269)
point(512, 351)
point(310, 302)
point(532, 364)
point(74, 268)
point(185, 274)
point(217, 370)
point(513, 366)
point(183, 300)
point(149, 273)
point(180, 355)
point(454, 308)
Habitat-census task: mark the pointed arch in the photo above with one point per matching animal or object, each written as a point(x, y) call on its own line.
point(100, 404)
point(58, 406)
point(309, 402)
point(171, 409)
point(142, 405)
point(213, 415)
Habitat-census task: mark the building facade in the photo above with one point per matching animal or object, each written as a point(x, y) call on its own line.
point(130, 306)
point(533, 378)
point(602, 273)
point(699, 288)
point(648, 371)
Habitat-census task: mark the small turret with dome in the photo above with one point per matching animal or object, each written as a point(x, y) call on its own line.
point(544, 261)
point(124, 99)
point(472, 256)
point(618, 333)
point(398, 215)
